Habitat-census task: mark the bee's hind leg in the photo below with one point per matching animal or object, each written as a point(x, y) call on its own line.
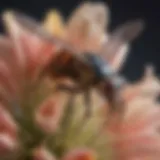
point(75, 90)
point(87, 103)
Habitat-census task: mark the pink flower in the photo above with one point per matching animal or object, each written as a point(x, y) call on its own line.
point(25, 50)
point(135, 132)
point(138, 135)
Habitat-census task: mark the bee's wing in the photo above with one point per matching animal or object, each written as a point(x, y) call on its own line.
point(116, 47)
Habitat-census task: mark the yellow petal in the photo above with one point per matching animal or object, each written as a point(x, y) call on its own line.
point(54, 23)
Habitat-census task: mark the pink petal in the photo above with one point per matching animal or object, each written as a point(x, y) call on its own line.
point(49, 113)
point(7, 144)
point(9, 70)
point(31, 48)
point(80, 154)
point(7, 78)
point(138, 146)
point(42, 153)
point(7, 124)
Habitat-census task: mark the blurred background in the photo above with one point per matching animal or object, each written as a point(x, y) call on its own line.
point(146, 49)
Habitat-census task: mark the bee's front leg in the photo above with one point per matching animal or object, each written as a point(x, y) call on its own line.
point(68, 88)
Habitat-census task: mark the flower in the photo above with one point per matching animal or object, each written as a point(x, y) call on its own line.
point(135, 132)
point(40, 123)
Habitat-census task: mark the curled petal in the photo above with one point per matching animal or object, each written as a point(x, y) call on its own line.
point(80, 154)
point(144, 145)
point(6, 51)
point(7, 124)
point(54, 23)
point(9, 69)
point(7, 144)
point(31, 48)
point(42, 153)
point(49, 113)
point(150, 84)
point(148, 88)
point(13, 30)
point(7, 78)
point(138, 132)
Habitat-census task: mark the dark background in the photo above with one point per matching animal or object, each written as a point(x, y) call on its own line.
point(146, 49)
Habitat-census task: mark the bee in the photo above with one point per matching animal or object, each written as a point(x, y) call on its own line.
point(88, 69)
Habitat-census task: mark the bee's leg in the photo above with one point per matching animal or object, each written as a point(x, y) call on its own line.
point(88, 105)
point(68, 88)
point(68, 111)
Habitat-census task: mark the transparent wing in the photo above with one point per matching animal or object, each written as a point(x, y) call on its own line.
point(87, 25)
point(116, 46)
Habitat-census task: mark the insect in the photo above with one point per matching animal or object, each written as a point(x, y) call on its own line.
point(87, 69)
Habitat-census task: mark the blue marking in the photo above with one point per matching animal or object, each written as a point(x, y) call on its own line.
point(100, 66)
